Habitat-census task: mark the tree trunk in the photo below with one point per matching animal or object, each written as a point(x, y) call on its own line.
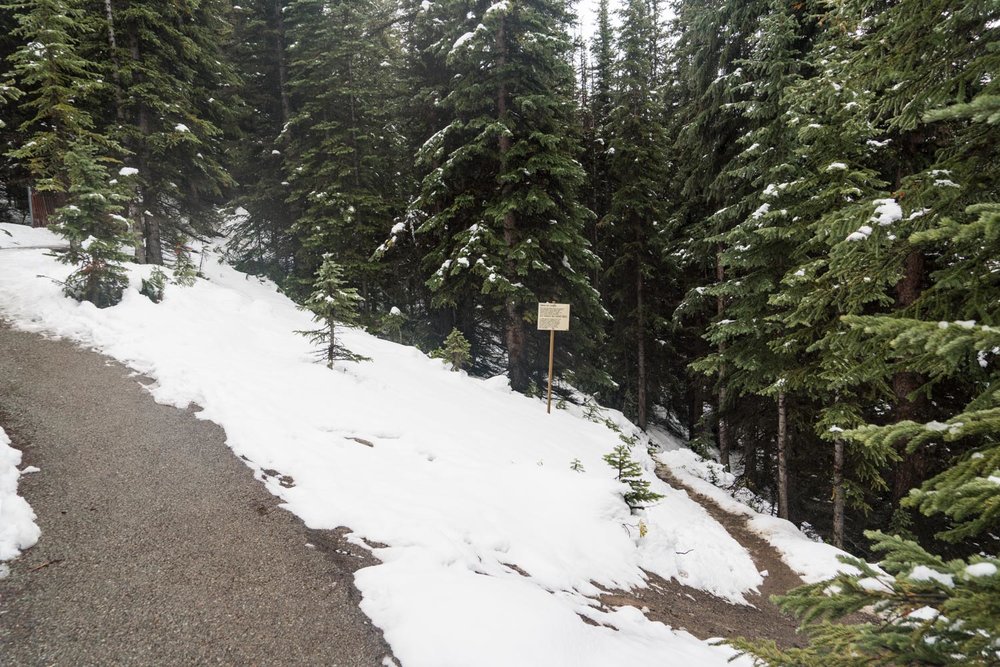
point(782, 458)
point(640, 394)
point(911, 469)
point(516, 335)
point(838, 494)
point(145, 220)
point(115, 67)
point(724, 445)
point(279, 49)
point(695, 407)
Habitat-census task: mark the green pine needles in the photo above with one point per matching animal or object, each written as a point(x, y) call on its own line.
point(456, 350)
point(331, 302)
point(630, 472)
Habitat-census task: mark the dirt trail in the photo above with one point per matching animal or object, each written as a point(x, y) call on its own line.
point(704, 615)
point(158, 546)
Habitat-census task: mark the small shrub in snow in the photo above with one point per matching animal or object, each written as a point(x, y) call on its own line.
point(630, 472)
point(185, 272)
point(153, 286)
point(392, 324)
point(576, 465)
point(456, 350)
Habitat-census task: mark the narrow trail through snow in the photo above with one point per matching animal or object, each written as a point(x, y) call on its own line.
point(157, 546)
point(706, 616)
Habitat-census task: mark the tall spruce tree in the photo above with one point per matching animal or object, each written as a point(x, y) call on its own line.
point(632, 230)
point(758, 248)
point(713, 41)
point(173, 98)
point(63, 150)
point(342, 149)
point(262, 241)
point(500, 206)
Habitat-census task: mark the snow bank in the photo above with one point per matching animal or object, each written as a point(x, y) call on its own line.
point(18, 530)
point(23, 236)
point(496, 548)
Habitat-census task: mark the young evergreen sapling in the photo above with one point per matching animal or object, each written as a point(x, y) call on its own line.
point(456, 350)
point(630, 472)
point(331, 302)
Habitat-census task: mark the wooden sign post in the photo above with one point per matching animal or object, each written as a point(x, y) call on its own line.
point(552, 317)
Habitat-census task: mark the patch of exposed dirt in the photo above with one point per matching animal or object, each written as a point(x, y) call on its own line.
point(706, 616)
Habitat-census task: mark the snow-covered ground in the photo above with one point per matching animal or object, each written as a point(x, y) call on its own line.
point(496, 547)
point(22, 236)
point(18, 530)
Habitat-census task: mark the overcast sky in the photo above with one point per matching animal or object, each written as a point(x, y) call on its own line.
point(587, 11)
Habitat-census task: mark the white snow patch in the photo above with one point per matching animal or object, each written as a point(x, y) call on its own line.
point(887, 211)
point(18, 530)
point(981, 570)
point(924, 573)
point(23, 236)
point(128, 171)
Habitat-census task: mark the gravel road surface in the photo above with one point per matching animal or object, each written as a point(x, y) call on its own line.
point(158, 547)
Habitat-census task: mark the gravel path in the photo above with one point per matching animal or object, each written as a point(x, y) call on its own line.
point(158, 547)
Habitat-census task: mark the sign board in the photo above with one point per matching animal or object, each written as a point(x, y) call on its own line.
point(553, 317)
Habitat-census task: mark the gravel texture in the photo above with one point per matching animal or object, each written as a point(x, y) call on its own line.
point(158, 547)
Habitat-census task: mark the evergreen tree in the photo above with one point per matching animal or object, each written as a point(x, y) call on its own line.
point(92, 222)
point(64, 152)
point(342, 148)
point(713, 41)
point(332, 303)
point(262, 242)
point(58, 81)
point(759, 247)
point(456, 350)
point(632, 230)
point(501, 210)
point(173, 99)
point(627, 470)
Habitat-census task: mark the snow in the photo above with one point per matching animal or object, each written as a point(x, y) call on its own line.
point(18, 530)
point(813, 561)
point(395, 311)
point(981, 570)
point(128, 171)
point(924, 573)
point(461, 41)
point(887, 211)
point(836, 166)
point(761, 211)
point(23, 236)
point(468, 483)
point(864, 231)
point(181, 127)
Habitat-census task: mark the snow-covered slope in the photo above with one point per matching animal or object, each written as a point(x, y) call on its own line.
point(495, 546)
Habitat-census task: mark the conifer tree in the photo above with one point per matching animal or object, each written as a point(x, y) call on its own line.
point(632, 230)
point(173, 100)
point(456, 350)
point(332, 303)
point(64, 151)
point(713, 41)
point(59, 81)
point(262, 242)
point(627, 470)
point(342, 149)
point(758, 246)
point(500, 210)
point(91, 221)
